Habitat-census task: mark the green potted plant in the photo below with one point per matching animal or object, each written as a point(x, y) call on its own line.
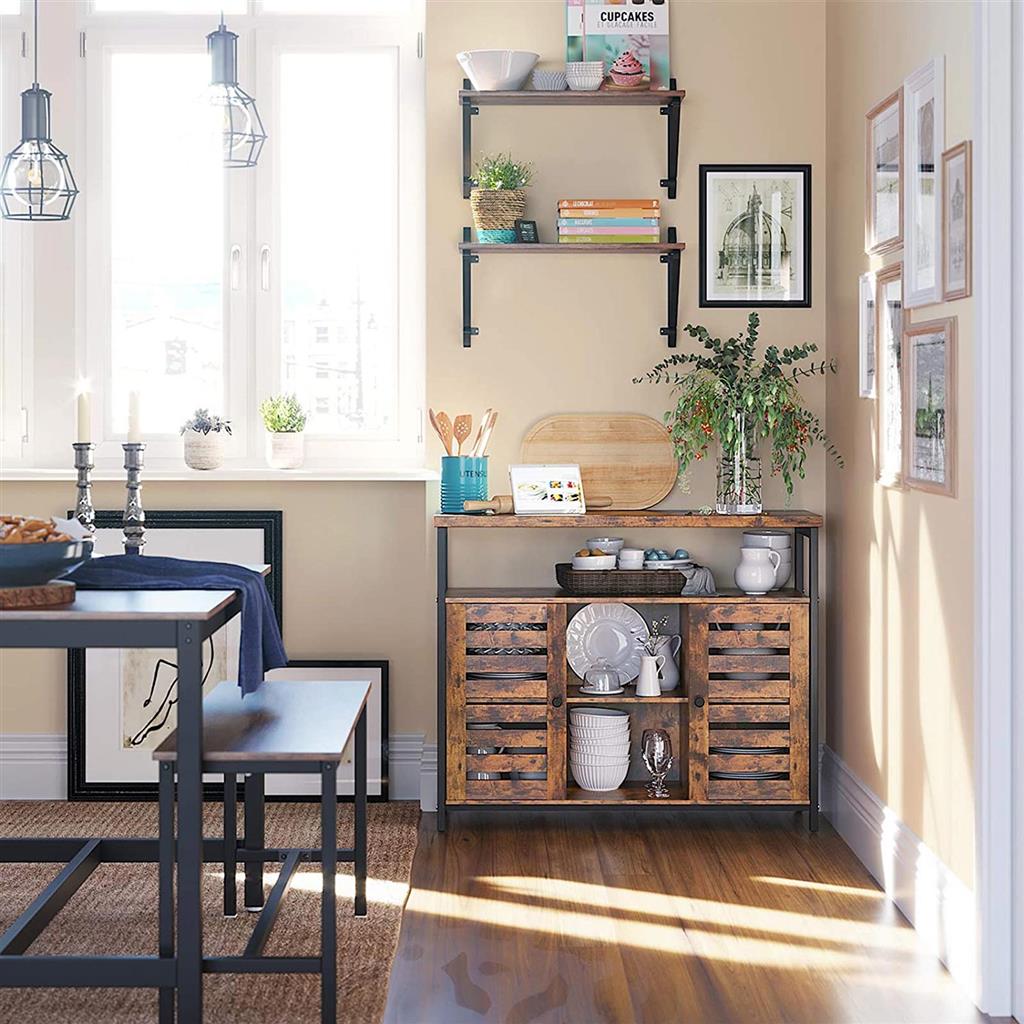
point(285, 421)
point(499, 198)
point(205, 436)
point(726, 395)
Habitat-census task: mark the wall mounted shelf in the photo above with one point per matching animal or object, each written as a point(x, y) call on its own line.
point(668, 252)
point(669, 102)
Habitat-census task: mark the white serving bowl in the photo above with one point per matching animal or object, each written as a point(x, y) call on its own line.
point(599, 778)
point(607, 739)
point(777, 539)
point(580, 716)
point(497, 70)
point(593, 562)
point(669, 563)
point(548, 81)
point(581, 732)
point(609, 545)
point(598, 760)
point(608, 753)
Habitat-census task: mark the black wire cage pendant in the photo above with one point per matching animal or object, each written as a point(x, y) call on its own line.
point(242, 126)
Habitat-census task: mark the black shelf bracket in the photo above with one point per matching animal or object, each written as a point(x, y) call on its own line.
point(671, 259)
point(468, 112)
point(468, 259)
point(673, 111)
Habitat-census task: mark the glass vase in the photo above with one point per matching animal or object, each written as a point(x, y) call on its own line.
point(739, 472)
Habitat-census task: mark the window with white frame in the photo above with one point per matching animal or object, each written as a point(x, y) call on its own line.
point(211, 287)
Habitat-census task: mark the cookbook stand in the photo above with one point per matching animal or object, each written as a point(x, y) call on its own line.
point(744, 723)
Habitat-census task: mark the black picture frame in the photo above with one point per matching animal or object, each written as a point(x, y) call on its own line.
point(272, 525)
point(705, 294)
point(526, 232)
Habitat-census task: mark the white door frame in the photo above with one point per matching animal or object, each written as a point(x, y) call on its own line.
point(999, 502)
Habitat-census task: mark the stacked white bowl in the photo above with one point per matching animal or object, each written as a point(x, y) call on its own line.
point(598, 748)
point(780, 541)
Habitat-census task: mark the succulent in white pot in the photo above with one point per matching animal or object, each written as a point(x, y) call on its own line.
point(285, 420)
point(205, 438)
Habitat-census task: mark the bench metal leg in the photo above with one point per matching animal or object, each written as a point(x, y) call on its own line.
point(230, 843)
point(360, 826)
point(328, 921)
point(166, 883)
point(254, 840)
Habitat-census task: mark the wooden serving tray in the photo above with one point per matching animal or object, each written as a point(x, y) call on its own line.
point(43, 595)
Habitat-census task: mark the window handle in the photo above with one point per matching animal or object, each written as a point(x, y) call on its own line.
point(235, 263)
point(265, 267)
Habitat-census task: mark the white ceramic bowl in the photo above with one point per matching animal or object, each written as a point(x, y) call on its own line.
point(615, 753)
point(582, 733)
point(609, 545)
point(576, 758)
point(777, 539)
point(548, 81)
point(579, 716)
point(497, 70)
point(593, 562)
point(599, 778)
point(671, 563)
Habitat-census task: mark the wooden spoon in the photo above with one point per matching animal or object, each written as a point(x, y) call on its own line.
point(444, 428)
point(485, 437)
point(475, 450)
point(463, 428)
point(437, 429)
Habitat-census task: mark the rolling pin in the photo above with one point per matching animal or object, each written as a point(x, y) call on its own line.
point(502, 504)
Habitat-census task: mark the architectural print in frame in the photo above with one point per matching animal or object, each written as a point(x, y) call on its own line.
point(121, 703)
point(956, 222)
point(883, 220)
point(867, 323)
point(888, 384)
point(929, 399)
point(755, 235)
point(924, 134)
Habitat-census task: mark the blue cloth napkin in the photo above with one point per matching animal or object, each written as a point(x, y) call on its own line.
point(260, 647)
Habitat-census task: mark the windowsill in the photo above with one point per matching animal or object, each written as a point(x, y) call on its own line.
point(236, 474)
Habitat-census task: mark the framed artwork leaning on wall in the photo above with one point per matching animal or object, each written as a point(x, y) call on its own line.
point(957, 222)
point(883, 208)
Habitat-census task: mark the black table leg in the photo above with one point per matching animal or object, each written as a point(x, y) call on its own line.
point(328, 912)
point(360, 828)
point(230, 843)
point(166, 869)
point(190, 823)
point(254, 839)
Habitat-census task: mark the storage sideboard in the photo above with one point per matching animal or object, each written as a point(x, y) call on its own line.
point(743, 722)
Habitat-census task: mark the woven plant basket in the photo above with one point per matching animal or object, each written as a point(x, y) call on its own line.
point(495, 212)
point(625, 582)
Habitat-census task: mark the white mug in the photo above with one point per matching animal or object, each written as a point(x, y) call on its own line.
point(647, 684)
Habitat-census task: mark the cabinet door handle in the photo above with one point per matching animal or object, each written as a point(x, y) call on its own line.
point(556, 702)
point(235, 262)
point(265, 267)
point(698, 702)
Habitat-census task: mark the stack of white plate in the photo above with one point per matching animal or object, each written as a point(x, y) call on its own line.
point(598, 748)
point(780, 541)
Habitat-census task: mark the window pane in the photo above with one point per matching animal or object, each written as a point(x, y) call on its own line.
point(339, 218)
point(350, 7)
point(10, 6)
point(167, 230)
point(213, 7)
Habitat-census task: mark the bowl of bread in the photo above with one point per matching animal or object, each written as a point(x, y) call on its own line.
point(35, 550)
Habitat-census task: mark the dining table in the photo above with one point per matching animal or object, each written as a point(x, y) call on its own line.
point(177, 619)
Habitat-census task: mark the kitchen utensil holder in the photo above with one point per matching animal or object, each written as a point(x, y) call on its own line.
point(463, 478)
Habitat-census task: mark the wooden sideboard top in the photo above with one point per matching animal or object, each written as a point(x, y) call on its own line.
point(677, 518)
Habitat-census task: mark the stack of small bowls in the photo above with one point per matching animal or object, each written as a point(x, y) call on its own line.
point(584, 75)
point(780, 541)
point(598, 748)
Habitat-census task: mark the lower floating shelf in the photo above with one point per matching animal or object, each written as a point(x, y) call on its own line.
point(573, 696)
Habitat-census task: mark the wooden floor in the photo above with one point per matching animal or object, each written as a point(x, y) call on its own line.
point(587, 918)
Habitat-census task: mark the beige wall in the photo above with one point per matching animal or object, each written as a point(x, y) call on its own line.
point(900, 636)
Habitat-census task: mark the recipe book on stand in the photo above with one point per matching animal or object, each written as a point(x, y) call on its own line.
point(609, 221)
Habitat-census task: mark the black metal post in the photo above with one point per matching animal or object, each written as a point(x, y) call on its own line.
point(360, 808)
point(468, 110)
point(799, 582)
point(328, 922)
point(254, 840)
point(672, 111)
point(261, 933)
point(812, 558)
point(166, 884)
point(442, 674)
point(468, 259)
point(190, 822)
point(672, 260)
point(230, 843)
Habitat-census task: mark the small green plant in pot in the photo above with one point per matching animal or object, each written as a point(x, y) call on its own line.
point(499, 198)
point(726, 395)
point(205, 436)
point(285, 421)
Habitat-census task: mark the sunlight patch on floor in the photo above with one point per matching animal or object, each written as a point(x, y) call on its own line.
point(800, 883)
point(378, 890)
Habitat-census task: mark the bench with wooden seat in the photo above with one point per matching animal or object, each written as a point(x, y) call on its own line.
point(287, 727)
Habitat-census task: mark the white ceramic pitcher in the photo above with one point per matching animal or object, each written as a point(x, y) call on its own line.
point(669, 679)
point(647, 684)
point(756, 572)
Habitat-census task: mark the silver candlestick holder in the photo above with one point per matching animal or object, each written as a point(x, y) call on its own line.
point(84, 512)
point(134, 519)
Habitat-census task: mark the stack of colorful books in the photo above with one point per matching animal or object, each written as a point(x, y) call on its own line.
point(609, 221)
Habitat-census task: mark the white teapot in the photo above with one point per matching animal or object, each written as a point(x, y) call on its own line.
point(756, 572)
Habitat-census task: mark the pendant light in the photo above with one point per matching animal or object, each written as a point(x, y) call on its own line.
point(36, 182)
point(242, 128)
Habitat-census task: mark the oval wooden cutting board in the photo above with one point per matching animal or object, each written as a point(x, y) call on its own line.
point(623, 455)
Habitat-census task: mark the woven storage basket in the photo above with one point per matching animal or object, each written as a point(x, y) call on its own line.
point(497, 210)
point(628, 582)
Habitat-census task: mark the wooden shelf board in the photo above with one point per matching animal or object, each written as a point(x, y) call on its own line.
point(631, 793)
point(542, 595)
point(569, 98)
point(602, 248)
point(637, 519)
point(573, 696)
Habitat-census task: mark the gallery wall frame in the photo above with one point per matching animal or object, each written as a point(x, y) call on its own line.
point(883, 165)
point(867, 323)
point(957, 222)
point(889, 315)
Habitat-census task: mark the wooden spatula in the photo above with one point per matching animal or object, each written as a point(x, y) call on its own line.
point(463, 428)
point(444, 428)
point(437, 429)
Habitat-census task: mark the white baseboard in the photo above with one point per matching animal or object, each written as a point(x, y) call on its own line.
point(938, 904)
point(33, 766)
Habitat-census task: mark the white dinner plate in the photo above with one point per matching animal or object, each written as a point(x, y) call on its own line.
point(608, 633)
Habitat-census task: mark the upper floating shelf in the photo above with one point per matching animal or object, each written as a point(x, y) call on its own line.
point(596, 247)
point(568, 98)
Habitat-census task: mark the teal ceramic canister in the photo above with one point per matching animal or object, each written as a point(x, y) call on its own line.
point(463, 478)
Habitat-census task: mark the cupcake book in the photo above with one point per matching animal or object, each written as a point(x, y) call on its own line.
point(629, 36)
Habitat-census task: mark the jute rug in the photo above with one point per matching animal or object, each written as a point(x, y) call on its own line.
point(115, 913)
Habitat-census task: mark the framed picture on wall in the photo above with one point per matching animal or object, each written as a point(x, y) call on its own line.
point(924, 131)
point(867, 323)
point(121, 703)
point(929, 398)
point(889, 378)
point(883, 221)
point(755, 235)
point(956, 222)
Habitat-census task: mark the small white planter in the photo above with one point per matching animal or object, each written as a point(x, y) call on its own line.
point(286, 451)
point(204, 451)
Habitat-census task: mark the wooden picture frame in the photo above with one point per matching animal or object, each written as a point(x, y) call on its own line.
point(957, 221)
point(867, 335)
point(888, 375)
point(929, 435)
point(884, 153)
